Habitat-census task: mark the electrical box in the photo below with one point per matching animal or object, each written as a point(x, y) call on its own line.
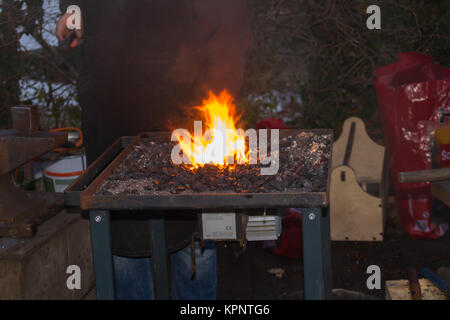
point(219, 226)
point(232, 226)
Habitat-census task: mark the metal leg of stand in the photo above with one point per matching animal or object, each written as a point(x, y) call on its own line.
point(101, 247)
point(317, 253)
point(159, 259)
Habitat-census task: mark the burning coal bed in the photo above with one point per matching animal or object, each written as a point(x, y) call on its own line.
point(148, 170)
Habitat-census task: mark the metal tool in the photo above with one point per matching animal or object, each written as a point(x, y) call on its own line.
point(17, 147)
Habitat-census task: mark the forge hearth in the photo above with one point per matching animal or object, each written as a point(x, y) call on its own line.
point(141, 176)
point(136, 173)
point(148, 170)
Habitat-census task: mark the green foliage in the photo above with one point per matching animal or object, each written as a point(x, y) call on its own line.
point(318, 50)
point(323, 51)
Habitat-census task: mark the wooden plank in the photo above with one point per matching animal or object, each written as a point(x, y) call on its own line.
point(19, 249)
point(35, 268)
point(44, 272)
point(355, 215)
point(399, 290)
point(79, 253)
point(16, 150)
point(10, 280)
point(46, 206)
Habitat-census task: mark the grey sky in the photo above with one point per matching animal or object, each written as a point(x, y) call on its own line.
point(51, 8)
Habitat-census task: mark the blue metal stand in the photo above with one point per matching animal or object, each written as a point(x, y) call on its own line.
point(317, 253)
point(159, 259)
point(101, 246)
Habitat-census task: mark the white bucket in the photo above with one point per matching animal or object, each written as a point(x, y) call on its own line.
point(60, 174)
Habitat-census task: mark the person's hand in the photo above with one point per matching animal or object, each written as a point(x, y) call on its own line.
point(63, 33)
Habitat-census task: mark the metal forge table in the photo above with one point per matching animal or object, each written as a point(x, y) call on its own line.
point(81, 194)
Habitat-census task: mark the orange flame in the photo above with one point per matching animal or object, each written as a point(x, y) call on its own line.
point(222, 144)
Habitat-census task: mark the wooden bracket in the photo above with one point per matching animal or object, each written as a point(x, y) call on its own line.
point(357, 162)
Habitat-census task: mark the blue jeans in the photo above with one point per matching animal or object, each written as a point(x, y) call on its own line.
point(134, 277)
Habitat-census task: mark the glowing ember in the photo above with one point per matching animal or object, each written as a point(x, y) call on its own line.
point(222, 144)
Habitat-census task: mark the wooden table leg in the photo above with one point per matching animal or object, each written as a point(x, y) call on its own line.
point(316, 253)
point(101, 247)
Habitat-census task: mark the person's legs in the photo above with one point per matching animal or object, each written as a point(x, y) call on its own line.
point(204, 284)
point(133, 278)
